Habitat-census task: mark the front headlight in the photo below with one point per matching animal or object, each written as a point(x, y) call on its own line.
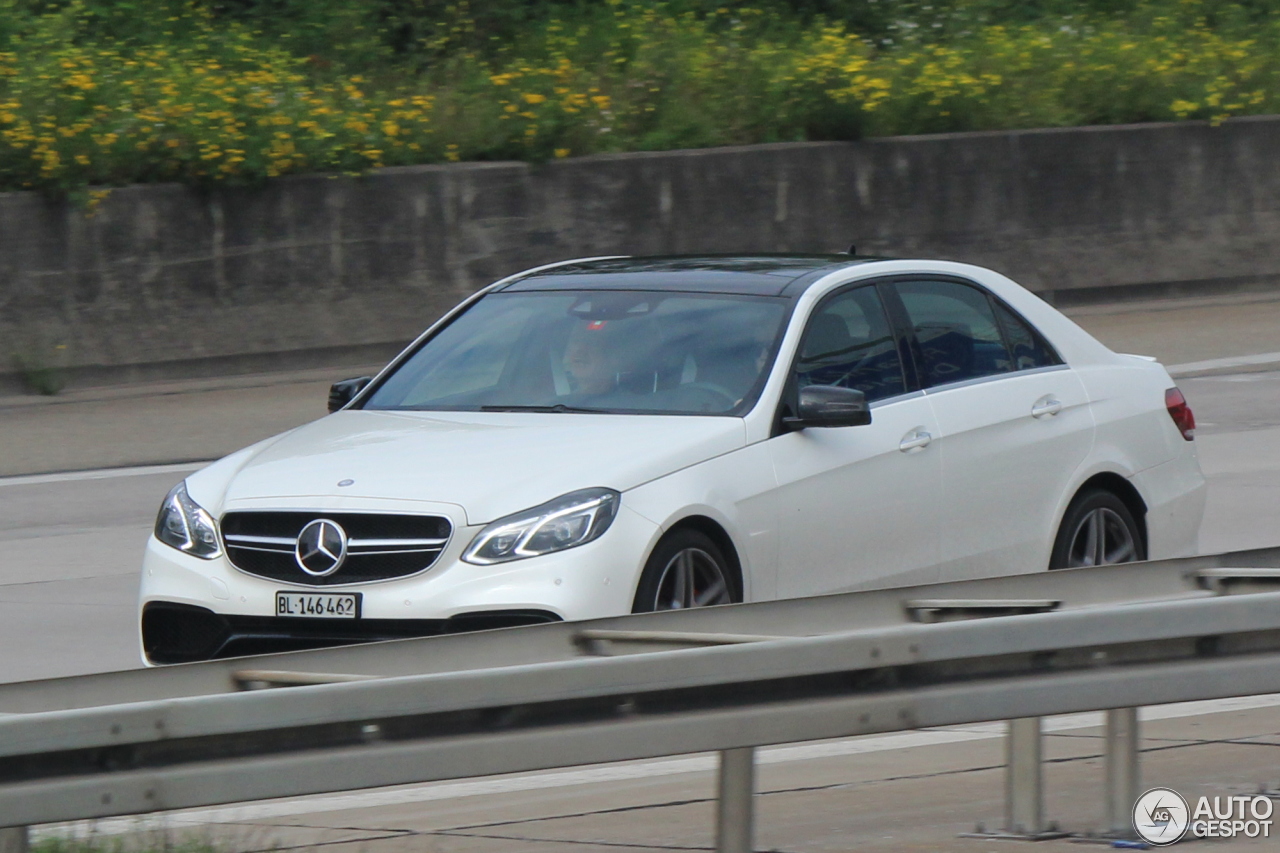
point(569, 520)
point(184, 524)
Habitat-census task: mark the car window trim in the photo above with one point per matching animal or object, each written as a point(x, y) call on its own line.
point(995, 377)
point(449, 316)
point(909, 382)
point(890, 283)
point(993, 307)
point(887, 302)
point(908, 346)
point(997, 302)
point(897, 398)
point(1035, 333)
point(747, 405)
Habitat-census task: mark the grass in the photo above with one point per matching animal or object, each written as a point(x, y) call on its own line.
point(144, 842)
point(209, 92)
point(39, 377)
point(120, 844)
point(150, 836)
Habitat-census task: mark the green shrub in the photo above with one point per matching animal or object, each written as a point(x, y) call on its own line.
point(108, 92)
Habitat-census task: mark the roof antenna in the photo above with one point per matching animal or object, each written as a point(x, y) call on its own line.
point(853, 249)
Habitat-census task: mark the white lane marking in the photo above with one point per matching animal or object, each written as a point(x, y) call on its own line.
point(102, 474)
point(436, 791)
point(1219, 363)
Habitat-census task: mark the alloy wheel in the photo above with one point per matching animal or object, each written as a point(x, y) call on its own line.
point(1101, 539)
point(692, 578)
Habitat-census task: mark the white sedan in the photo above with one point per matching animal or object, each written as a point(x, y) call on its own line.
point(612, 435)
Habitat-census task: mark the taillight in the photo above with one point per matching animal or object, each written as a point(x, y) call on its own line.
point(1183, 419)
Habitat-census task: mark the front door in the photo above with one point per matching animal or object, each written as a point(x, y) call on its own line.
point(858, 506)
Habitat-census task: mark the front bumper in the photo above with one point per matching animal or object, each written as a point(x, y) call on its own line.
point(193, 609)
point(181, 633)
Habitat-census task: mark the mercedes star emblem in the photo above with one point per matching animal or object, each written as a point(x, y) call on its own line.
point(321, 548)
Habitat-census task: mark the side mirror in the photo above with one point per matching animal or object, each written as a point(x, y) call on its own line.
point(830, 406)
point(341, 393)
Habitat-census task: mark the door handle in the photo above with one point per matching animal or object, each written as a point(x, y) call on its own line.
point(1046, 406)
point(917, 439)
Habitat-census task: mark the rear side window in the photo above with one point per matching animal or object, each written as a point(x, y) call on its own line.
point(849, 343)
point(1028, 349)
point(957, 331)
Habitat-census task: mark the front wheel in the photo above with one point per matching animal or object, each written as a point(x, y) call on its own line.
point(687, 569)
point(1097, 530)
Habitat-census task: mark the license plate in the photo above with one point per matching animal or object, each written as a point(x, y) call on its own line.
point(319, 605)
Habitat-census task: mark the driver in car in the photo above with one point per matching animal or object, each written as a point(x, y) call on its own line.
point(591, 360)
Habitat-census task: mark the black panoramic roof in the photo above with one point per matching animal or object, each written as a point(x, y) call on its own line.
point(756, 275)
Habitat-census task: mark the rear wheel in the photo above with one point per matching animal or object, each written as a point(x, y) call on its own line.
point(1097, 530)
point(687, 569)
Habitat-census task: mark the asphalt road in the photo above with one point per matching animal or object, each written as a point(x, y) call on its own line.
point(911, 792)
point(70, 548)
point(157, 422)
point(70, 545)
point(70, 552)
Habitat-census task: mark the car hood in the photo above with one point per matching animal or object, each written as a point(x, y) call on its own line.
point(490, 464)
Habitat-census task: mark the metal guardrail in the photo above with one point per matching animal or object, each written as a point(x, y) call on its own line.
point(1073, 588)
point(728, 679)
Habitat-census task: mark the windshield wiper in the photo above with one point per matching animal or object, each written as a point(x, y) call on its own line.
point(558, 407)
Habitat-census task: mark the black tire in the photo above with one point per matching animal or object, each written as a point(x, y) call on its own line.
point(691, 553)
point(1115, 538)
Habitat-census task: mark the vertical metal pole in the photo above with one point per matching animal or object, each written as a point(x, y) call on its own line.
point(735, 811)
point(1123, 781)
point(1024, 791)
point(13, 840)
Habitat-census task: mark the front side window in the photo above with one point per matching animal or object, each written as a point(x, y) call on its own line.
point(956, 329)
point(607, 351)
point(849, 343)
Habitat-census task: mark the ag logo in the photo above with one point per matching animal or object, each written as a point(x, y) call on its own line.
point(1161, 816)
point(321, 548)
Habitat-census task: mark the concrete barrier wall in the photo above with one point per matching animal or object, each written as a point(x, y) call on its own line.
point(164, 280)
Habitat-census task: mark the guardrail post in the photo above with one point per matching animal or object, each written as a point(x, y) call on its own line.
point(13, 839)
point(735, 811)
point(1123, 781)
point(1024, 791)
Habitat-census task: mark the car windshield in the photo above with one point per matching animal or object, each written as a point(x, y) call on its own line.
point(598, 351)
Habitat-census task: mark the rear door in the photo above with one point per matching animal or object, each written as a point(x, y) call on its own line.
point(857, 506)
point(1014, 426)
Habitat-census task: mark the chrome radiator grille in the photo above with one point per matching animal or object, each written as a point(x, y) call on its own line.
point(378, 546)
